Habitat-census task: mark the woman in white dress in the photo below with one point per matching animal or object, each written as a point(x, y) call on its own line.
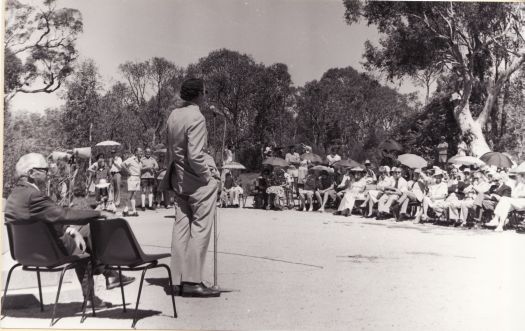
point(354, 191)
point(372, 196)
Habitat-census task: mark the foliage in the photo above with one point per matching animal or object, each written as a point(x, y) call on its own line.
point(350, 109)
point(29, 132)
point(479, 44)
point(42, 39)
point(81, 111)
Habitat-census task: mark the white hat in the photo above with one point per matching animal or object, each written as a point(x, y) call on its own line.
point(102, 184)
point(368, 162)
point(438, 172)
point(28, 162)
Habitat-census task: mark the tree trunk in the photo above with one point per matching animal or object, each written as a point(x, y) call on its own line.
point(472, 128)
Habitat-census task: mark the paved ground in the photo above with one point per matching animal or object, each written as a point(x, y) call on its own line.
point(297, 270)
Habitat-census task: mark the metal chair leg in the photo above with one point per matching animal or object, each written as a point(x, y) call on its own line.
point(58, 293)
point(39, 289)
point(171, 288)
point(138, 298)
point(122, 289)
point(7, 285)
point(91, 291)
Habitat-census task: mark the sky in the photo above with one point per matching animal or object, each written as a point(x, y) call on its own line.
point(310, 36)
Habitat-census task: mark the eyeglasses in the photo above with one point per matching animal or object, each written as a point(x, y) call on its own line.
point(397, 172)
point(46, 170)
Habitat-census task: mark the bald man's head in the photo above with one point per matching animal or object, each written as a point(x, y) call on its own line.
point(34, 166)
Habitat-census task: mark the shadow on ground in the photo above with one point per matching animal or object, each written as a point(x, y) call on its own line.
point(162, 282)
point(73, 309)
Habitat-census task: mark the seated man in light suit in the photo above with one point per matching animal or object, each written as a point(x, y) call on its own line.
point(192, 175)
point(507, 204)
point(27, 203)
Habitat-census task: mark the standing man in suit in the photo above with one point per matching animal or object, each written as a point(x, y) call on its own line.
point(28, 203)
point(191, 175)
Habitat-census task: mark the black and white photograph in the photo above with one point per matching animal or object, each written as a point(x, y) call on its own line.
point(263, 165)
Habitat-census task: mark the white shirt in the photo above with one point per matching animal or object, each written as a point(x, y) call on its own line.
point(333, 159)
point(438, 191)
point(117, 164)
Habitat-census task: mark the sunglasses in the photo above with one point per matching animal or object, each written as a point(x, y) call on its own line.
point(46, 170)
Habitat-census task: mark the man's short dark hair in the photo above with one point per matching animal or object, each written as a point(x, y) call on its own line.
point(100, 156)
point(191, 88)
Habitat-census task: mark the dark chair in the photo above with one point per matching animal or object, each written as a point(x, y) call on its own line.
point(34, 247)
point(115, 246)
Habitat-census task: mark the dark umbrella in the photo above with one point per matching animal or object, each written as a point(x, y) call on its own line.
point(497, 159)
point(349, 163)
point(275, 162)
point(322, 168)
point(314, 158)
point(391, 145)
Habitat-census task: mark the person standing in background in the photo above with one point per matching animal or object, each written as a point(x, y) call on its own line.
point(149, 167)
point(116, 166)
point(133, 166)
point(442, 149)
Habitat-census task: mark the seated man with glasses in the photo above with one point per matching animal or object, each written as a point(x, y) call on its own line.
point(28, 203)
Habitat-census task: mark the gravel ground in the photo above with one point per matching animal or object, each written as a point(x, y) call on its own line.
point(299, 270)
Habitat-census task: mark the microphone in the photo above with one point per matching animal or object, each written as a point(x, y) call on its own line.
point(216, 112)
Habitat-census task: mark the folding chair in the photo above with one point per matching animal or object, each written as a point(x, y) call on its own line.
point(34, 247)
point(115, 246)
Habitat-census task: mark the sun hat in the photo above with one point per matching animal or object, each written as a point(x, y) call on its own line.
point(438, 172)
point(102, 184)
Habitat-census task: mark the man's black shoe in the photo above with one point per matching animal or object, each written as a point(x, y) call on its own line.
point(98, 303)
point(143, 208)
point(112, 282)
point(198, 291)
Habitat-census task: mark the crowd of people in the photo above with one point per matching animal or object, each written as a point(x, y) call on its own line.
point(449, 193)
point(143, 171)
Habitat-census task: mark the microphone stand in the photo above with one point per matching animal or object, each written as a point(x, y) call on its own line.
point(215, 231)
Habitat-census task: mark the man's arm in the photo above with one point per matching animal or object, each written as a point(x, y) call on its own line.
point(196, 135)
point(44, 209)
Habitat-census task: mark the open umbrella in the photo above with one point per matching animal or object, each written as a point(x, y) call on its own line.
point(349, 163)
point(512, 158)
point(519, 169)
point(391, 145)
point(497, 159)
point(322, 168)
point(275, 162)
point(108, 143)
point(234, 165)
point(466, 160)
point(412, 161)
point(314, 158)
